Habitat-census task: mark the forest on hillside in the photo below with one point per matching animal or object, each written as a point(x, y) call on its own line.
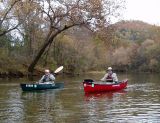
point(32, 38)
point(138, 47)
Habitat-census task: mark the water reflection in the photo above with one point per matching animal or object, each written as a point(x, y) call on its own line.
point(140, 102)
point(39, 105)
point(11, 108)
point(104, 95)
point(98, 106)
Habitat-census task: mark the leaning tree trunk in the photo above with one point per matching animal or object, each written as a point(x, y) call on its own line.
point(48, 41)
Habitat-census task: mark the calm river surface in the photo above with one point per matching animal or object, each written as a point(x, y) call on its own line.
point(139, 103)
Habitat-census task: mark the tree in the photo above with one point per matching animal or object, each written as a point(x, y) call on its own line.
point(30, 29)
point(7, 17)
point(60, 15)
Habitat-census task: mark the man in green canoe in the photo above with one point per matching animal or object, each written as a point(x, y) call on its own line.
point(110, 76)
point(48, 77)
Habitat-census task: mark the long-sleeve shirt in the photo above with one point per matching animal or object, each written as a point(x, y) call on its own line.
point(47, 78)
point(114, 76)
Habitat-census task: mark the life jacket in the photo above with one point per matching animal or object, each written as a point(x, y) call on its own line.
point(109, 78)
point(46, 78)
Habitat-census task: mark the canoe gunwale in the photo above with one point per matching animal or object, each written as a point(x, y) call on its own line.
point(37, 86)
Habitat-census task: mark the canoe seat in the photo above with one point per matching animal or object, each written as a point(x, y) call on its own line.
point(88, 80)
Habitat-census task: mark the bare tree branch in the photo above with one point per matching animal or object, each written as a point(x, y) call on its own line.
point(6, 31)
point(5, 15)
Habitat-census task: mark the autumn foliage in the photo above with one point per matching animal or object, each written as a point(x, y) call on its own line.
point(76, 34)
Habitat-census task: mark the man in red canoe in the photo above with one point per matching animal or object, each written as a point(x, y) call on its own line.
point(110, 76)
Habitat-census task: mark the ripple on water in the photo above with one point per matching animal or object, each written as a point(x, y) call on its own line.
point(139, 103)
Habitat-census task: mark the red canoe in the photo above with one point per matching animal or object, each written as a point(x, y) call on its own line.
point(90, 86)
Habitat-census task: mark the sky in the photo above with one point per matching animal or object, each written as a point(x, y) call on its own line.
point(144, 10)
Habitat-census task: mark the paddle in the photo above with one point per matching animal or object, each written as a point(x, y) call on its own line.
point(58, 69)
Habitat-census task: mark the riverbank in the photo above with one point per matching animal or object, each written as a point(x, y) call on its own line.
point(21, 72)
point(18, 72)
point(12, 74)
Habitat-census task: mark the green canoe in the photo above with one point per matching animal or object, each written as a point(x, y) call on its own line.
point(41, 86)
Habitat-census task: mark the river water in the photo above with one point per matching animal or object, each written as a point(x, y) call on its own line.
point(139, 103)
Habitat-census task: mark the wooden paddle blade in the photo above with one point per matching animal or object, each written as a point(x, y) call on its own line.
point(58, 69)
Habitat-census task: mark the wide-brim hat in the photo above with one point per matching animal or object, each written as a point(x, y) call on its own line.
point(109, 68)
point(46, 71)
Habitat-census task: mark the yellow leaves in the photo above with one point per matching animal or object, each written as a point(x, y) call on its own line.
point(95, 3)
point(25, 7)
point(147, 43)
point(153, 63)
point(121, 57)
point(67, 40)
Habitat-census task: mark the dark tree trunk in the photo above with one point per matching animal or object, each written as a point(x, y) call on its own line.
point(49, 40)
